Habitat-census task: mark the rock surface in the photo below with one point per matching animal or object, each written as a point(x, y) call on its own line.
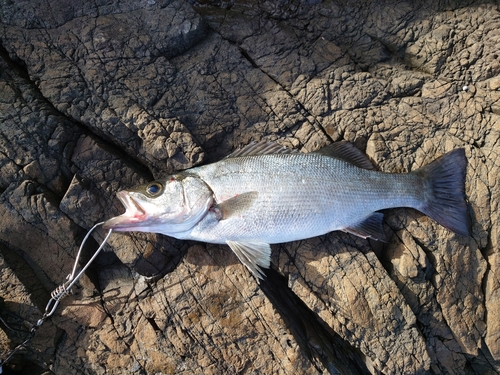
point(101, 96)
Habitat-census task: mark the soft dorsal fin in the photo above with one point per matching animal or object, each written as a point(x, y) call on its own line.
point(348, 152)
point(261, 148)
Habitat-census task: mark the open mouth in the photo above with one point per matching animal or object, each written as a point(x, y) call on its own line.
point(133, 215)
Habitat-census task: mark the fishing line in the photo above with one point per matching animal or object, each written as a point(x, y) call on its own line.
point(59, 293)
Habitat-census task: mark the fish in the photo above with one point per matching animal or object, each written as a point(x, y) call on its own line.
point(265, 194)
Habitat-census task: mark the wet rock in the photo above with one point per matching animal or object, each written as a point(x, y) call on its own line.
point(96, 98)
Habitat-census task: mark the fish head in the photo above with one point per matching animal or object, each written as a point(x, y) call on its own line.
point(170, 206)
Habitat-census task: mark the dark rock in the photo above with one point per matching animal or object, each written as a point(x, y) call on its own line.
point(98, 97)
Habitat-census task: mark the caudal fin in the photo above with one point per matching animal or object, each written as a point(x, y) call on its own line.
point(444, 184)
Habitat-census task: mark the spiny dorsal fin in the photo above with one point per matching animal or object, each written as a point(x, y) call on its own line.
point(235, 205)
point(369, 227)
point(261, 148)
point(348, 152)
point(254, 255)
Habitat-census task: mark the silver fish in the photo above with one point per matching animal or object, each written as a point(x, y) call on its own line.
point(265, 194)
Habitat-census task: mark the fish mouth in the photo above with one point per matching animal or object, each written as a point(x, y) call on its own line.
point(133, 216)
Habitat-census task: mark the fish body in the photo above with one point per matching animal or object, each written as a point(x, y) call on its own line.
point(265, 194)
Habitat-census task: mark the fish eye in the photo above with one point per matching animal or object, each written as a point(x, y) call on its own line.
point(154, 189)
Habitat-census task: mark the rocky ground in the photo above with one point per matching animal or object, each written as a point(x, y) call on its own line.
point(100, 96)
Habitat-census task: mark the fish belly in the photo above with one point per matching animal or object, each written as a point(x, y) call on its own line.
point(299, 196)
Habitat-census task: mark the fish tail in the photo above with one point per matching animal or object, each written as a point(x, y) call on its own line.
point(444, 191)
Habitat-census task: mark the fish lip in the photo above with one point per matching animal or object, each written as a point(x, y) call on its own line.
point(134, 213)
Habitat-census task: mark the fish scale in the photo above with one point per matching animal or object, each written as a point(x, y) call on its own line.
point(300, 196)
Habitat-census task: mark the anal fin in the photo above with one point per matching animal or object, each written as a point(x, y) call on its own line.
point(371, 227)
point(254, 255)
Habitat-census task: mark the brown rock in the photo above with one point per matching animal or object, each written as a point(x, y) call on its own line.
point(95, 98)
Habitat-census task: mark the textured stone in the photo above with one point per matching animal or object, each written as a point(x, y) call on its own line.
point(99, 97)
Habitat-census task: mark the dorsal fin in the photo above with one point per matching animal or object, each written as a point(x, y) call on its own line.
point(348, 152)
point(261, 148)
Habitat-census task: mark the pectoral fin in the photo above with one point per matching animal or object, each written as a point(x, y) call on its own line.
point(235, 205)
point(369, 227)
point(254, 255)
